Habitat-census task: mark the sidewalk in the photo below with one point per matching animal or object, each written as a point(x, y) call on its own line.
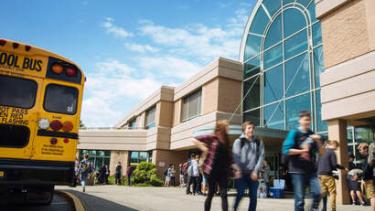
point(169, 199)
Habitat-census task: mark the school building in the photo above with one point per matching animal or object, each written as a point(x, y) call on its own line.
point(315, 55)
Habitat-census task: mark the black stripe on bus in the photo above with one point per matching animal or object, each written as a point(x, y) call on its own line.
point(57, 134)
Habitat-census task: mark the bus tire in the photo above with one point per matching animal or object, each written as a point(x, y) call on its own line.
point(42, 195)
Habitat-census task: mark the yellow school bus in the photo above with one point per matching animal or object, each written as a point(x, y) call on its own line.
point(40, 106)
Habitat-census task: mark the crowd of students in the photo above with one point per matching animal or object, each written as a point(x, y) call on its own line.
point(311, 162)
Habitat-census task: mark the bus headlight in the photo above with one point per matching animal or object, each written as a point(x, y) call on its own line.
point(43, 123)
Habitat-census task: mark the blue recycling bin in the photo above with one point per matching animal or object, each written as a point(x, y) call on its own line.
point(276, 193)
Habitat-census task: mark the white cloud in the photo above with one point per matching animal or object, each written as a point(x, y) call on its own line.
point(107, 90)
point(117, 31)
point(141, 48)
point(198, 41)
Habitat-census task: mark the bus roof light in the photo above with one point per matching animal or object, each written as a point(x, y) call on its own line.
point(27, 47)
point(55, 125)
point(71, 72)
point(66, 140)
point(3, 42)
point(57, 68)
point(15, 45)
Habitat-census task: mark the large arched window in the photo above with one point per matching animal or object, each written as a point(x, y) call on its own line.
point(282, 53)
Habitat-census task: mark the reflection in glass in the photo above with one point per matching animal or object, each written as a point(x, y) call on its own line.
point(253, 116)
point(274, 33)
point(293, 107)
point(252, 46)
point(294, 20)
point(273, 84)
point(317, 34)
point(272, 6)
point(296, 44)
point(252, 67)
point(297, 78)
point(273, 56)
point(318, 64)
point(274, 116)
point(322, 125)
point(252, 89)
point(259, 22)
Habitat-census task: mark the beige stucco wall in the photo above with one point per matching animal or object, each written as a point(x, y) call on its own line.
point(210, 96)
point(112, 139)
point(165, 115)
point(347, 29)
point(229, 95)
point(116, 156)
point(162, 158)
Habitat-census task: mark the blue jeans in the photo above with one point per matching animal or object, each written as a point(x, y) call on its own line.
point(300, 181)
point(243, 183)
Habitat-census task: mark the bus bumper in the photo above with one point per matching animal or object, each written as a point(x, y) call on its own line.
point(16, 171)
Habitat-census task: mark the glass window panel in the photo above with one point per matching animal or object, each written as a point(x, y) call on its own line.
point(322, 125)
point(273, 84)
point(253, 116)
point(294, 21)
point(293, 107)
point(272, 6)
point(17, 92)
point(304, 2)
point(143, 156)
point(296, 44)
point(317, 34)
point(252, 67)
point(134, 157)
point(150, 117)
point(191, 105)
point(274, 116)
point(252, 89)
point(273, 56)
point(318, 64)
point(252, 46)
point(297, 78)
point(311, 9)
point(288, 1)
point(259, 22)
point(274, 34)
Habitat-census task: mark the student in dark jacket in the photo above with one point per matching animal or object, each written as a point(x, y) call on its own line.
point(368, 174)
point(302, 161)
point(217, 162)
point(326, 165)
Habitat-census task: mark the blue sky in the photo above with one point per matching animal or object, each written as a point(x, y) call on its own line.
point(128, 48)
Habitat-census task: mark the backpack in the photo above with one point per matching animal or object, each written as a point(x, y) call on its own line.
point(285, 157)
point(242, 143)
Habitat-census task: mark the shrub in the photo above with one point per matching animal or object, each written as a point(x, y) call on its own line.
point(145, 173)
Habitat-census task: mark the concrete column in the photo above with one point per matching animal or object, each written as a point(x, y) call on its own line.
point(337, 131)
point(117, 156)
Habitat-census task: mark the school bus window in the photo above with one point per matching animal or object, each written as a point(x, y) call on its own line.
point(61, 99)
point(17, 92)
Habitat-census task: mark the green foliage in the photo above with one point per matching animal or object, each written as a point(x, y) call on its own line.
point(145, 173)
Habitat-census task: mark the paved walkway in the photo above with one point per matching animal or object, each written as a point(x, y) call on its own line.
point(113, 198)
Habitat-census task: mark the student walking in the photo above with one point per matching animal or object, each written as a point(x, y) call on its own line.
point(248, 155)
point(118, 173)
point(217, 162)
point(85, 170)
point(354, 185)
point(326, 165)
point(129, 172)
point(300, 149)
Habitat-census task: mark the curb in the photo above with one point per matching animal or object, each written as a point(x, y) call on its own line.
point(78, 204)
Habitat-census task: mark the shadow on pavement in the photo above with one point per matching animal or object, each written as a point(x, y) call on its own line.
point(93, 203)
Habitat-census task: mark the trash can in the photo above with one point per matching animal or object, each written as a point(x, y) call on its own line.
point(276, 193)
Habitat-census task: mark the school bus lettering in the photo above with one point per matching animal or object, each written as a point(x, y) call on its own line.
point(32, 64)
point(14, 116)
point(49, 149)
point(10, 61)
